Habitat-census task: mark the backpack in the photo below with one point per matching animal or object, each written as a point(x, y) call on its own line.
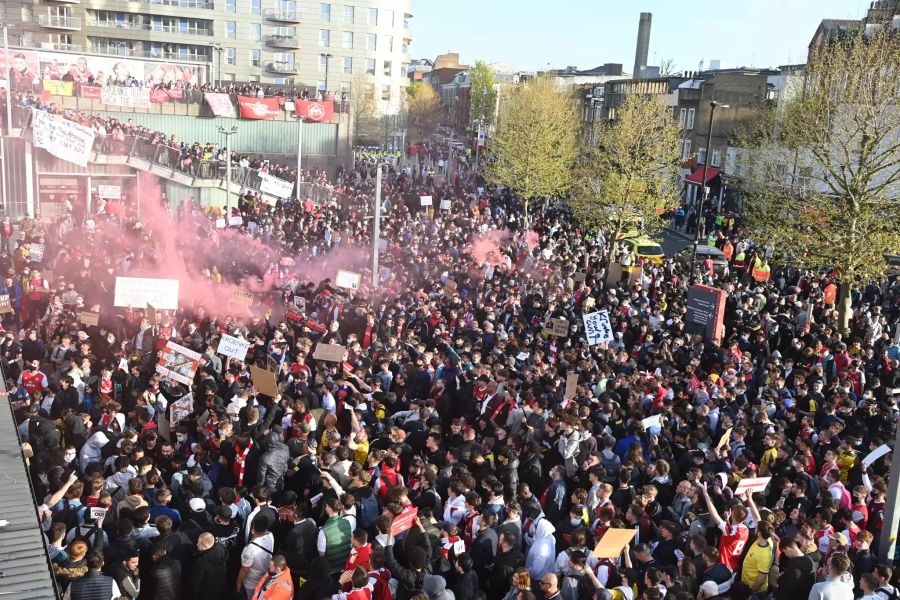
point(68, 515)
point(386, 486)
point(846, 501)
point(369, 509)
point(891, 595)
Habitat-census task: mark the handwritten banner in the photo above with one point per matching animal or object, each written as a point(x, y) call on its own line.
point(63, 139)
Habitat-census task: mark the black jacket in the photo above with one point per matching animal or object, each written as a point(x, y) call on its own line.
point(505, 564)
point(208, 580)
point(483, 551)
point(163, 581)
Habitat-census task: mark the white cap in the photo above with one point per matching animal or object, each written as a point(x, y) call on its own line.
point(197, 504)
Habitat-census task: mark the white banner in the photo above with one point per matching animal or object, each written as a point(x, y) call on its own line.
point(347, 279)
point(597, 327)
point(425, 200)
point(63, 139)
point(178, 363)
point(277, 187)
point(234, 347)
point(138, 292)
point(113, 192)
point(128, 97)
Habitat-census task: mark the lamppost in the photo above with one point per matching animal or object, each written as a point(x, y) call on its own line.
point(227, 133)
point(327, 58)
point(705, 189)
point(219, 50)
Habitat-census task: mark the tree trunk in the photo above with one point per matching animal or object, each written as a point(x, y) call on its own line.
point(843, 305)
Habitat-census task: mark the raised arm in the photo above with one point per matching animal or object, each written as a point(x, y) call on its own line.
point(711, 507)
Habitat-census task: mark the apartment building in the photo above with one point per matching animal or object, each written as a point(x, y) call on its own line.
point(290, 42)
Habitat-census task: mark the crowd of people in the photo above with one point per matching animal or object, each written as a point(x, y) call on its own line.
point(450, 397)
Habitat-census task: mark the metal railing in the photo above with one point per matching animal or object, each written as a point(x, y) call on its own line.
point(287, 68)
point(155, 27)
point(276, 14)
point(283, 41)
point(59, 21)
point(121, 51)
point(63, 47)
point(201, 4)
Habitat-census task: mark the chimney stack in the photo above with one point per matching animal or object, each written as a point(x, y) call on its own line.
point(643, 44)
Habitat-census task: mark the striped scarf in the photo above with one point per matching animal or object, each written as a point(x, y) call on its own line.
point(241, 460)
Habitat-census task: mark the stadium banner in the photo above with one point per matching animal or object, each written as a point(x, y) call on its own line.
point(277, 187)
point(258, 108)
point(219, 104)
point(65, 140)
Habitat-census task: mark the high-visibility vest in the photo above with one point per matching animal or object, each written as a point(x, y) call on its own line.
point(728, 251)
point(739, 260)
point(761, 272)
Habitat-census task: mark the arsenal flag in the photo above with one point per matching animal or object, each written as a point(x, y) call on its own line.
point(258, 108)
point(313, 110)
point(159, 95)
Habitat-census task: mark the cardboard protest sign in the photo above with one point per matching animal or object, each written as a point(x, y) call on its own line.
point(232, 346)
point(347, 280)
point(558, 327)
point(5, 304)
point(724, 439)
point(221, 223)
point(404, 520)
point(299, 303)
point(243, 297)
point(180, 409)
point(597, 327)
point(89, 318)
point(425, 200)
point(613, 542)
point(35, 252)
point(150, 313)
point(445, 204)
point(571, 385)
point(138, 292)
point(752, 484)
point(178, 363)
point(579, 277)
point(875, 455)
point(235, 221)
point(294, 316)
point(329, 352)
point(264, 381)
point(652, 421)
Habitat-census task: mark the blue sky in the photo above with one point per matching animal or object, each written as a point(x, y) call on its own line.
point(587, 33)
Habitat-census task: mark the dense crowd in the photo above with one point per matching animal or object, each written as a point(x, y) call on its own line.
point(450, 397)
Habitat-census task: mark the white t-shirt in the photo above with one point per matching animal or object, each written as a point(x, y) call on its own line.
point(256, 557)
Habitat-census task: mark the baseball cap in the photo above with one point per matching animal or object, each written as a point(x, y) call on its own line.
point(197, 504)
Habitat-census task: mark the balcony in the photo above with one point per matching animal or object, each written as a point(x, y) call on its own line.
point(65, 1)
point(121, 51)
point(158, 28)
point(201, 4)
point(283, 41)
point(282, 68)
point(282, 16)
point(60, 22)
point(63, 47)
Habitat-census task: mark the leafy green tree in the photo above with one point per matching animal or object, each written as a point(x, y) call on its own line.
point(536, 142)
point(482, 95)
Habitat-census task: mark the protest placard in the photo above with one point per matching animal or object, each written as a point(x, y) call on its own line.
point(558, 327)
point(579, 276)
point(110, 192)
point(299, 303)
point(35, 252)
point(613, 542)
point(232, 346)
point(875, 455)
point(178, 363)
point(425, 200)
point(445, 204)
point(652, 421)
point(5, 304)
point(235, 221)
point(347, 280)
point(180, 409)
point(724, 439)
point(752, 484)
point(404, 520)
point(150, 314)
point(597, 327)
point(571, 385)
point(243, 297)
point(89, 318)
point(138, 292)
point(329, 352)
point(264, 381)
point(221, 223)
point(63, 139)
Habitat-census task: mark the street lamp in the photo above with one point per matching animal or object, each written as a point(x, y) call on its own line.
point(219, 50)
point(227, 133)
point(327, 58)
point(705, 189)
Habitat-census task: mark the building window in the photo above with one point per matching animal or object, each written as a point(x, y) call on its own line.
point(231, 29)
point(348, 40)
point(370, 66)
point(287, 32)
point(690, 119)
point(388, 41)
point(682, 117)
point(324, 38)
point(716, 158)
point(27, 14)
point(323, 64)
point(386, 93)
point(701, 155)
point(349, 14)
point(373, 16)
point(388, 68)
point(320, 85)
point(255, 58)
point(686, 149)
point(256, 7)
point(325, 12)
point(371, 40)
point(231, 6)
point(231, 56)
point(347, 65)
point(387, 19)
point(255, 32)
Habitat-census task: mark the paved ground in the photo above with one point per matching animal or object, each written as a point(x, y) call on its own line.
point(672, 242)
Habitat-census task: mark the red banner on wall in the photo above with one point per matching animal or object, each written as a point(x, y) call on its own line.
point(89, 91)
point(313, 110)
point(175, 93)
point(258, 108)
point(159, 96)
